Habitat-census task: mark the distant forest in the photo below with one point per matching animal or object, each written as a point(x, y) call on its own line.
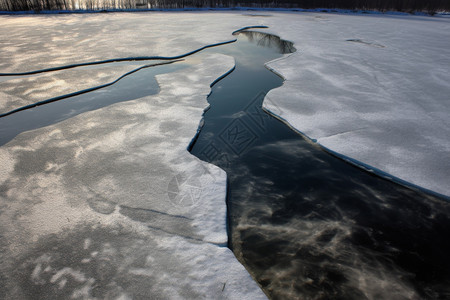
point(430, 6)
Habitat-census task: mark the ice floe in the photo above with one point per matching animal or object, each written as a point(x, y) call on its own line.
point(372, 88)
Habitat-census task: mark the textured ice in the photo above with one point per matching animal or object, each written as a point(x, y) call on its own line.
point(31, 89)
point(109, 204)
point(373, 88)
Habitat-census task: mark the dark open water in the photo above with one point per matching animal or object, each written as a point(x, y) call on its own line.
point(308, 225)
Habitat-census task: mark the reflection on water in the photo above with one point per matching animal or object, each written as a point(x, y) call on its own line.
point(269, 41)
point(306, 224)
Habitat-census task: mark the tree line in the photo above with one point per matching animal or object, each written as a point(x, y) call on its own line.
point(430, 6)
point(38, 5)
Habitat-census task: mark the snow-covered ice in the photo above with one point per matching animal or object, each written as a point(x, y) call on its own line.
point(24, 90)
point(109, 204)
point(373, 88)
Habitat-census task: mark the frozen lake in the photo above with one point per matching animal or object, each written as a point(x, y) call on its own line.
point(116, 184)
point(296, 212)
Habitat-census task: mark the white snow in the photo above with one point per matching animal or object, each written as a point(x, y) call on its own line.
point(121, 177)
point(382, 99)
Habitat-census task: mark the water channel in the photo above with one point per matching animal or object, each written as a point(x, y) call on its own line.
point(304, 223)
point(307, 224)
point(60, 108)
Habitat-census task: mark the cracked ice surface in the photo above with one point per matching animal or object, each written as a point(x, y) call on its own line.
point(24, 90)
point(36, 42)
point(109, 204)
point(373, 88)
